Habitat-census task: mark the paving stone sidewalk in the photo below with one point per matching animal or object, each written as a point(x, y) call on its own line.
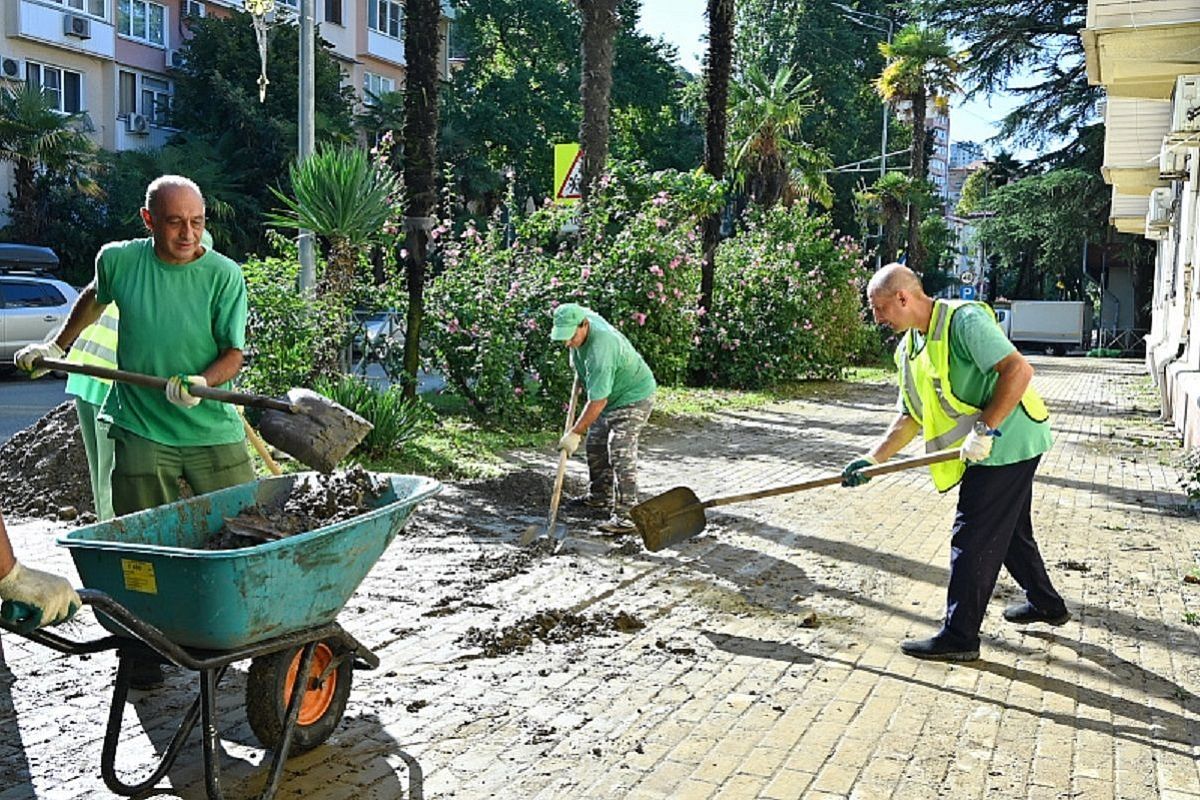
point(768, 665)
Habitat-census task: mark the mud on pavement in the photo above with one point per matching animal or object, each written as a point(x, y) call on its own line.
point(44, 472)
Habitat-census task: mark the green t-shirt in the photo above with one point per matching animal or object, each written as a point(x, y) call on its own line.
point(977, 344)
point(609, 367)
point(175, 318)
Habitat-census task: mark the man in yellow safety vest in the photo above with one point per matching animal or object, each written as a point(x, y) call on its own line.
point(963, 384)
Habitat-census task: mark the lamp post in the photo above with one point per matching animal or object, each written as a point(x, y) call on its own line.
point(856, 16)
point(307, 120)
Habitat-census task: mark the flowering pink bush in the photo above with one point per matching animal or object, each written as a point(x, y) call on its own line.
point(788, 302)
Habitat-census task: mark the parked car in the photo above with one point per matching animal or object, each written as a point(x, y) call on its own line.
point(33, 303)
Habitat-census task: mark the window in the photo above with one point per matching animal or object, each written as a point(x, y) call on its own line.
point(376, 85)
point(386, 16)
point(62, 88)
point(21, 294)
point(333, 11)
point(142, 20)
point(93, 7)
point(193, 8)
point(147, 95)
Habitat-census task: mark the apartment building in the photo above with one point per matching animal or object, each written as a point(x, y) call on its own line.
point(109, 59)
point(1145, 54)
point(937, 126)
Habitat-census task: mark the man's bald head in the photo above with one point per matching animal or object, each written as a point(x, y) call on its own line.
point(892, 278)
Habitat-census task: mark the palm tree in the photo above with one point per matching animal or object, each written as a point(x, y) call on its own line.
point(717, 73)
point(350, 203)
point(771, 162)
point(919, 64)
point(886, 201)
point(422, 45)
point(599, 30)
point(41, 142)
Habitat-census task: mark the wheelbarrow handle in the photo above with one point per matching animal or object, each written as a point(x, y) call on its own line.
point(870, 472)
point(155, 382)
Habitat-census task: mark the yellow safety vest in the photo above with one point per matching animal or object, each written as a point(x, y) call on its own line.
point(929, 398)
point(96, 345)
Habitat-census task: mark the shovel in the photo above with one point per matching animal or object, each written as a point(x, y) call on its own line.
point(677, 514)
point(311, 428)
point(559, 532)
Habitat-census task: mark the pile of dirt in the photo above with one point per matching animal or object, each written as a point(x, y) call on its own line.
point(552, 627)
point(43, 470)
point(315, 500)
point(525, 488)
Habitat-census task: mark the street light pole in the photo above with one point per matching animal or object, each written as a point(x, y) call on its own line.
point(307, 125)
point(855, 15)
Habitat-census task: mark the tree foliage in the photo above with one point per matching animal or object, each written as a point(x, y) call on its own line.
point(1030, 48)
point(1037, 226)
point(216, 99)
point(525, 54)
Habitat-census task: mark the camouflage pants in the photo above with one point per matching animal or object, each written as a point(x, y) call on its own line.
point(612, 450)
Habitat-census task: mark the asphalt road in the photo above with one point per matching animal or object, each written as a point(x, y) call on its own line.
point(23, 402)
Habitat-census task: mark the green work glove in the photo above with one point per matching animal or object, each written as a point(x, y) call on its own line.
point(33, 598)
point(852, 474)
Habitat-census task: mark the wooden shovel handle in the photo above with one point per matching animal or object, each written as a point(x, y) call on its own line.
point(870, 472)
point(155, 382)
point(556, 496)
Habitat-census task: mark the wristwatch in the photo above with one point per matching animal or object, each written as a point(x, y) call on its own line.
point(981, 429)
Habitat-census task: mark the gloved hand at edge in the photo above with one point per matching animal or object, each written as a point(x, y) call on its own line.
point(852, 475)
point(51, 596)
point(177, 390)
point(27, 355)
point(570, 442)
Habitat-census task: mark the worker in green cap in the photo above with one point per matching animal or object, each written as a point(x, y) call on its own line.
point(620, 393)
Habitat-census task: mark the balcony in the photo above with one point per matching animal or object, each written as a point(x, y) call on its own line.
point(1134, 130)
point(1128, 212)
point(1135, 48)
point(60, 26)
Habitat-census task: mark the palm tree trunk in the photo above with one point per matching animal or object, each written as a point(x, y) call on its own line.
point(916, 249)
point(721, 24)
point(422, 45)
point(600, 23)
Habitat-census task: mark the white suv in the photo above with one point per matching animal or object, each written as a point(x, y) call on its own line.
point(32, 304)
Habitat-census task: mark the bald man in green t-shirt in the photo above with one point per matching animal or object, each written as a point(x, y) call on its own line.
point(620, 393)
point(183, 317)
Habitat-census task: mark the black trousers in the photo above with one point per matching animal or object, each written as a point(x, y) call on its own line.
point(992, 527)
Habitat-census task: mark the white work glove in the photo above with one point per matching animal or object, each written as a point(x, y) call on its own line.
point(177, 390)
point(32, 352)
point(50, 596)
point(976, 447)
point(570, 442)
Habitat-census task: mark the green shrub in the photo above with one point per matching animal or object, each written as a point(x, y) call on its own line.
point(788, 302)
point(1189, 480)
point(488, 312)
point(396, 419)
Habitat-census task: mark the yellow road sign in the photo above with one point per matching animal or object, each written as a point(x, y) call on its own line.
point(568, 173)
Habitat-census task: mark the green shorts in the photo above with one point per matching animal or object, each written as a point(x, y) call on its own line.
point(146, 474)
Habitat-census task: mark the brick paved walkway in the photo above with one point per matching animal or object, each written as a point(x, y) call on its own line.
point(768, 665)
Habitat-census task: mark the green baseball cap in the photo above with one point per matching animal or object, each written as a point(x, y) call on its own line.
point(567, 318)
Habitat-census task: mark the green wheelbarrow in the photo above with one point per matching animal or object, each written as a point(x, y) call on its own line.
point(164, 597)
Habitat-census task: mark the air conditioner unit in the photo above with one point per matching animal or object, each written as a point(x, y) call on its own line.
point(137, 124)
point(79, 27)
point(12, 69)
point(1185, 113)
point(174, 58)
point(1172, 162)
point(1157, 234)
point(1158, 217)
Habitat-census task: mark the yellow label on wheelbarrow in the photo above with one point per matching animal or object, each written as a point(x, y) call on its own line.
point(139, 576)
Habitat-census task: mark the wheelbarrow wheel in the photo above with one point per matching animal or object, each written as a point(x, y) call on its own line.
point(269, 688)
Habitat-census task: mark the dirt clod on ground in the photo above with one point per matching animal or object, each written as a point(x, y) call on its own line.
point(43, 469)
point(554, 626)
point(316, 500)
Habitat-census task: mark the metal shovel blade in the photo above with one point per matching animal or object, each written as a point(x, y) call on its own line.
point(318, 432)
point(668, 518)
